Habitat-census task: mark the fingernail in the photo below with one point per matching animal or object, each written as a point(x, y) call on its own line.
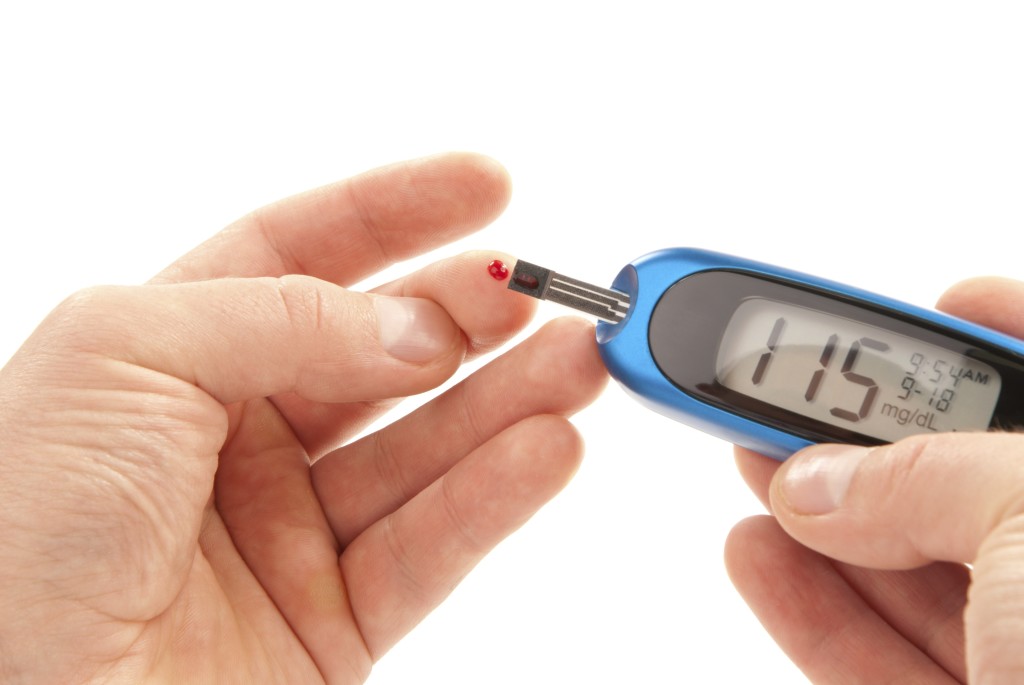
point(817, 482)
point(413, 329)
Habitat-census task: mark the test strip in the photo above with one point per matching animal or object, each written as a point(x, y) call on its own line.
point(544, 284)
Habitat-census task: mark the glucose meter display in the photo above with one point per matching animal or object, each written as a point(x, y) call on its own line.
point(850, 374)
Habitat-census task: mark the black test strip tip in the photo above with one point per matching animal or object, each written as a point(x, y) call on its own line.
point(544, 284)
point(530, 279)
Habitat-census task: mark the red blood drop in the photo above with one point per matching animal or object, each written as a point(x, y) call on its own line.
point(497, 270)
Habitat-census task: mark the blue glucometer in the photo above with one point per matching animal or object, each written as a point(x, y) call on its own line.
point(775, 360)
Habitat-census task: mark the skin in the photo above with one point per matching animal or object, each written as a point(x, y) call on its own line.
point(908, 571)
point(183, 498)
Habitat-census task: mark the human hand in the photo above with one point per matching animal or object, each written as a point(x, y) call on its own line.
point(882, 593)
point(176, 506)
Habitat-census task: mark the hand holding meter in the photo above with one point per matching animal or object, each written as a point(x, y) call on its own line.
point(774, 360)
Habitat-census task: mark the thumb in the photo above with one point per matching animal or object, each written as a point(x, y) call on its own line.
point(952, 497)
point(242, 338)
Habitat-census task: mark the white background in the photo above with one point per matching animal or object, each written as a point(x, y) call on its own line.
point(878, 143)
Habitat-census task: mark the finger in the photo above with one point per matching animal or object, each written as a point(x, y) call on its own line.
point(265, 499)
point(238, 339)
point(403, 566)
point(925, 605)
point(822, 624)
point(557, 371)
point(486, 312)
point(348, 230)
point(992, 302)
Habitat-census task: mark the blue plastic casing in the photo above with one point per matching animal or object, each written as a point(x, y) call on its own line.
point(626, 351)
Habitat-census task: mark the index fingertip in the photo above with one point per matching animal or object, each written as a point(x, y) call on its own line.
point(990, 301)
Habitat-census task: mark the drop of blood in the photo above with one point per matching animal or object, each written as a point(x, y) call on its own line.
point(497, 270)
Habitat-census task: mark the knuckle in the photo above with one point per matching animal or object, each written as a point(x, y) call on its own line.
point(86, 301)
point(389, 468)
point(909, 463)
point(373, 228)
point(459, 525)
point(404, 563)
point(303, 302)
point(89, 318)
point(905, 456)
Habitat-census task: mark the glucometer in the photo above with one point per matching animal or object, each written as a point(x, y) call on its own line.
point(775, 360)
